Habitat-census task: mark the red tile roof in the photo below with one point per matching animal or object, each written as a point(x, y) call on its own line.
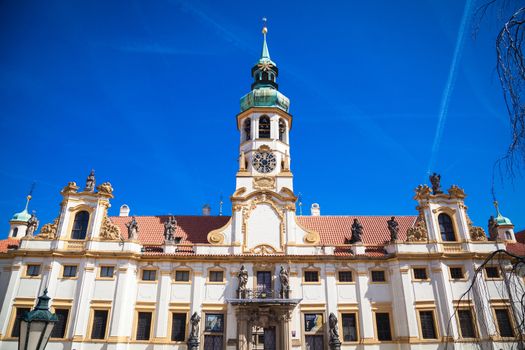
point(192, 229)
point(516, 248)
point(520, 236)
point(8, 243)
point(334, 229)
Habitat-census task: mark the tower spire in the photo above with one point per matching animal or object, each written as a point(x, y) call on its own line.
point(265, 54)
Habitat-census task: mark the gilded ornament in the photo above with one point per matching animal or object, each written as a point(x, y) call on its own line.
point(215, 237)
point(264, 183)
point(456, 192)
point(49, 231)
point(476, 233)
point(109, 231)
point(418, 233)
point(422, 192)
point(312, 237)
point(263, 249)
point(105, 189)
point(70, 188)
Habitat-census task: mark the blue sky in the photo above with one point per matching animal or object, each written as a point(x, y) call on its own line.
point(146, 93)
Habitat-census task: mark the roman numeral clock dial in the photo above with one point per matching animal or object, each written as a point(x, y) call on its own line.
point(264, 162)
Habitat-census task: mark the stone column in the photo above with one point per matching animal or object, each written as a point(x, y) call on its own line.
point(284, 325)
point(242, 329)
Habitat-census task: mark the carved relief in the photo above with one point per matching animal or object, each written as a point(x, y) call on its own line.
point(105, 189)
point(109, 231)
point(419, 232)
point(422, 192)
point(70, 188)
point(216, 237)
point(49, 231)
point(264, 183)
point(476, 233)
point(456, 192)
point(312, 237)
point(263, 249)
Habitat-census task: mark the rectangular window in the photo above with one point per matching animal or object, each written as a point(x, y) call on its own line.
point(420, 274)
point(313, 323)
point(216, 276)
point(492, 272)
point(311, 276)
point(383, 326)
point(378, 276)
point(69, 271)
point(149, 275)
point(20, 312)
point(214, 323)
point(456, 273)
point(33, 270)
point(100, 320)
point(178, 327)
point(349, 327)
point(466, 324)
point(345, 276)
point(504, 324)
point(59, 330)
point(428, 328)
point(144, 325)
point(106, 271)
point(182, 276)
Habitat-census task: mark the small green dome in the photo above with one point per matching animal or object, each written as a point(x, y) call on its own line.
point(501, 220)
point(265, 97)
point(22, 216)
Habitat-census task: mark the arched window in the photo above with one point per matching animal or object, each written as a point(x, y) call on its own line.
point(80, 225)
point(282, 130)
point(247, 129)
point(446, 228)
point(264, 127)
point(15, 231)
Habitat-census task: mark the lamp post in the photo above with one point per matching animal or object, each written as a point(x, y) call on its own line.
point(36, 325)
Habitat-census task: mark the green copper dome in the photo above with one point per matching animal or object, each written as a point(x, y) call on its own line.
point(22, 216)
point(500, 219)
point(265, 97)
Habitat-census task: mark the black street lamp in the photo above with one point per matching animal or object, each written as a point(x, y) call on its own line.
point(36, 325)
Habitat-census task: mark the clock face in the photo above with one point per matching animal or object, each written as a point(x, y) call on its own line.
point(264, 162)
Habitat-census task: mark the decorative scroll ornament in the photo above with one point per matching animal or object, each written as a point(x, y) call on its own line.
point(109, 231)
point(456, 192)
point(312, 237)
point(418, 233)
point(264, 183)
point(49, 231)
point(105, 189)
point(263, 249)
point(476, 233)
point(422, 192)
point(216, 237)
point(70, 188)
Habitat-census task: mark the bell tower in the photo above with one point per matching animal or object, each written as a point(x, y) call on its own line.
point(264, 124)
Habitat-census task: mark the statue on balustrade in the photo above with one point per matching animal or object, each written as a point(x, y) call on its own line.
point(32, 225)
point(133, 229)
point(393, 227)
point(285, 283)
point(243, 280)
point(357, 232)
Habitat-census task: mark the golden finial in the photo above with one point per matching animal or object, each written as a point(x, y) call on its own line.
point(265, 29)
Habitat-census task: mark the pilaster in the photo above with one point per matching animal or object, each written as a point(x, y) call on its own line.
point(82, 307)
point(366, 318)
point(9, 295)
point(123, 305)
point(162, 308)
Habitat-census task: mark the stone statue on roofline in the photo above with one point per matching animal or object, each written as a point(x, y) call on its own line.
point(90, 182)
point(357, 232)
point(285, 283)
point(393, 227)
point(435, 180)
point(32, 225)
point(133, 229)
point(243, 280)
point(169, 228)
point(493, 228)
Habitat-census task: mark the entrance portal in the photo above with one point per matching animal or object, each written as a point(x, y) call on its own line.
point(263, 338)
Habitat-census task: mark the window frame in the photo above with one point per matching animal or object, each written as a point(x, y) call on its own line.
point(186, 324)
point(73, 217)
point(136, 325)
point(66, 325)
point(452, 226)
point(434, 321)
point(89, 334)
point(376, 333)
point(213, 270)
point(99, 275)
point(352, 275)
point(486, 274)
point(269, 127)
point(64, 271)
point(473, 323)
point(463, 273)
point(182, 281)
point(148, 271)
point(222, 334)
point(378, 270)
point(309, 271)
point(414, 278)
point(509, 317)
point(341, 328)
point(27, 275)
point(13, 322)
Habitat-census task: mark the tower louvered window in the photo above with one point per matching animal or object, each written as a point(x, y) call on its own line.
point(282, 130)
point(264, 127)
point(247, 129)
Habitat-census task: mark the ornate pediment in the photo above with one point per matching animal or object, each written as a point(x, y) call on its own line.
point(264, 183)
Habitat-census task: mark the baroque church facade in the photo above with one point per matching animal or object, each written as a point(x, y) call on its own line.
point(264, 278)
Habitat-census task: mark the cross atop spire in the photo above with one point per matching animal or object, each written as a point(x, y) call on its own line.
point(265, 54)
